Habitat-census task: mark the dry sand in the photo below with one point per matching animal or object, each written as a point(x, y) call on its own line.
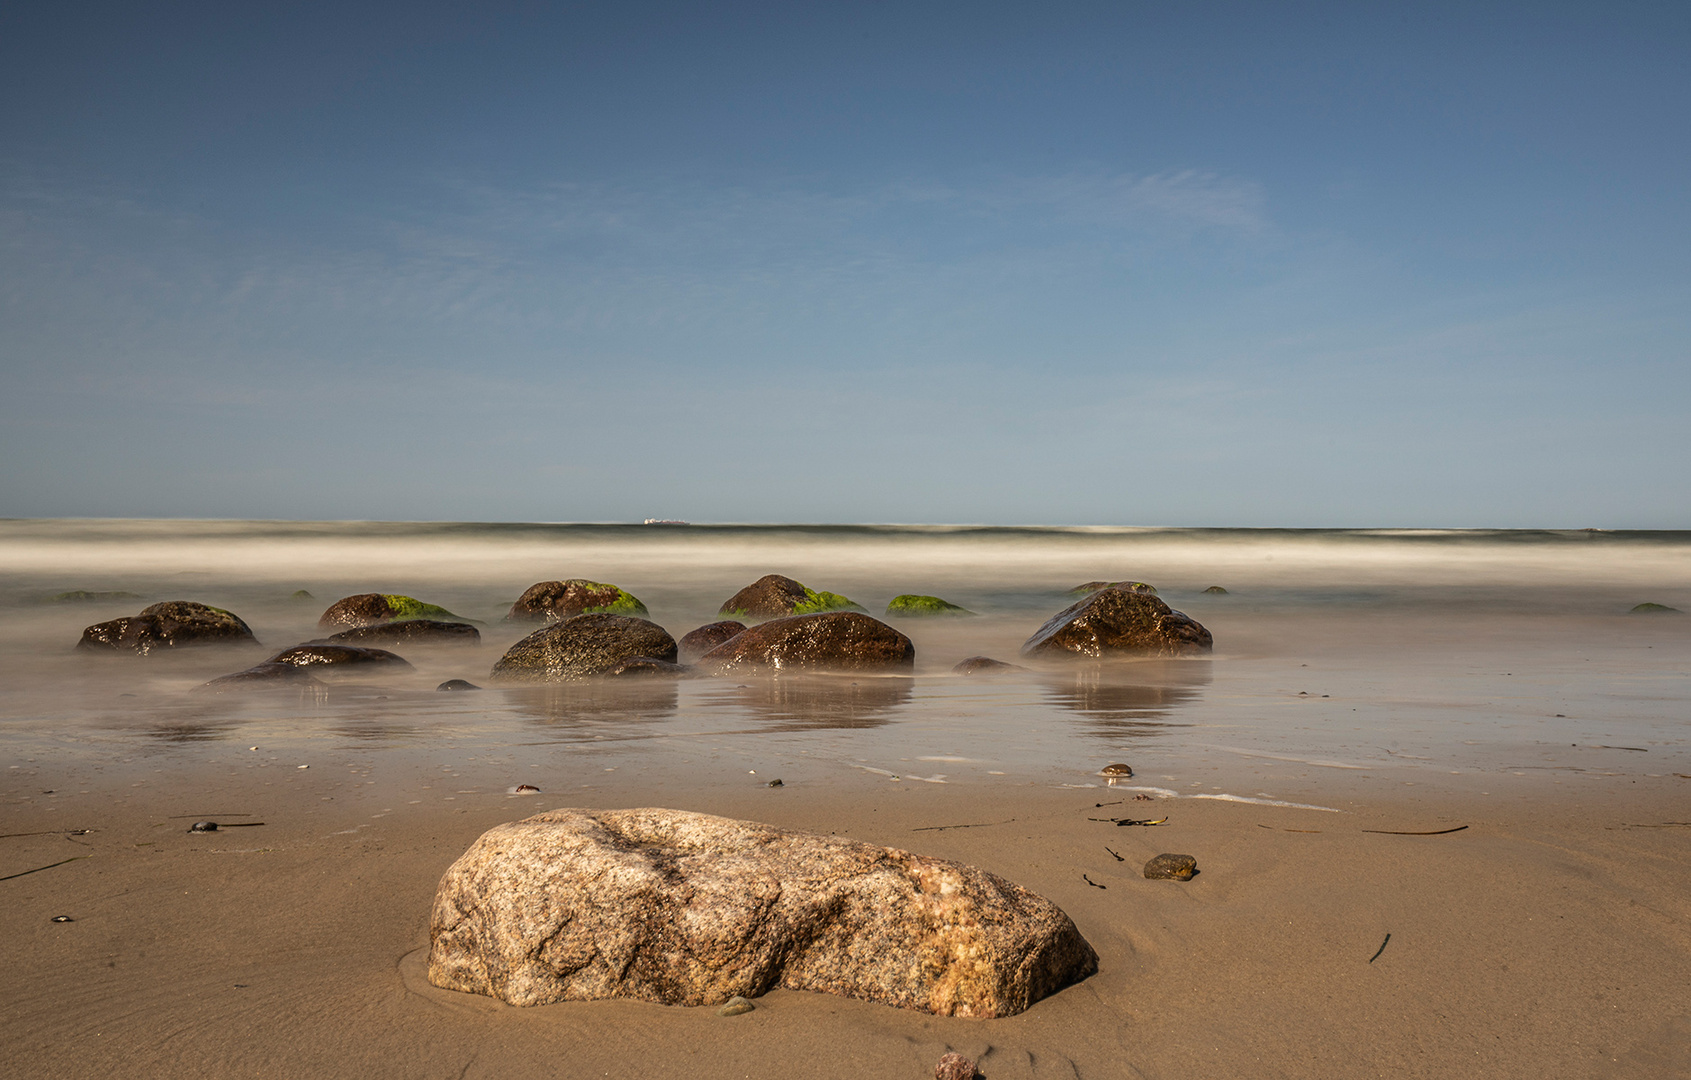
point(1552, 937)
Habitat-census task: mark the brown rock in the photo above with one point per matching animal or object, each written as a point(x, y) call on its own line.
point(337, 656)
point(366, 609)
point(832, 641)
point(1129, 586)
point(551, 601)
point(689, 909)
point(1171, 867)
point(983, 665)
point(695, 643)
point(1113, 622)
point(769, 597)
point(955, 1067)
point(170, 625)
point(650, 667)
point(408, 632)
point(260, 677)
point(581, 647)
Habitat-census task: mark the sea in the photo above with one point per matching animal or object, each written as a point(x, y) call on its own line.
point(1345, 661)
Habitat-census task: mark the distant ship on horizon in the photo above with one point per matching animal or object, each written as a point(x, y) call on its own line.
point(665, 521)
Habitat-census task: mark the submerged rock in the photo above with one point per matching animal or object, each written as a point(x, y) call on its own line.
point(911, 604)
point(689, 909)
point(1655, 609)
point(409, 631)
point(259, 677)
point(1129, 586)
point(368, 608)
point(1216, 590)
point(457, 684)
point(550, 601)
point(835, 641)
point(1115, 622)
point(1171, 868)
point(170, 625)
point(983, 665)
point(695, 643)
point(83, 596)
point(337, 656)
point(581, 647)
point(774, 596)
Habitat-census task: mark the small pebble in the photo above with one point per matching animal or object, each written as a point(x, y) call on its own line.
point(203, 826)
point(774, 783)
point(735, 1006)
point(954, 1066)
point(1172, 867)
point(61, 918)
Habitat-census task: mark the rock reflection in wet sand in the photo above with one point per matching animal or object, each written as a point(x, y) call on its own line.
point(815, 702)
point(1129, 699)
point(585, 709)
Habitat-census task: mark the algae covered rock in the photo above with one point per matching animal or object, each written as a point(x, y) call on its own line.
point(1129, 586)
point(170, 625)
point(695, 643)
point(366, 609)
point(1655, 609)
point(582, 647)
point(774, 596)
point(549, 601)
point(1116, 622)
point(690, 909)
point(338, 656)
point(840, 641)
point(912, 604)
point(408, 632)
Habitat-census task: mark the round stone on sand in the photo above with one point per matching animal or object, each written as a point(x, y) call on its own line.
point(1171, 867)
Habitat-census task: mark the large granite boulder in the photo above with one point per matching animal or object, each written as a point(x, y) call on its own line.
point(1117, 622)
point(170, 625)
point(581, 647)
point(834, 641)
point(773, 596)
point(408, 632)
point(550, 601)
point(314, 655)
point(695, 643)
point(366, 609)
point(690, 909)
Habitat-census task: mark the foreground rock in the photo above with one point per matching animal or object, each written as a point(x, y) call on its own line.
point(582, 647)
point(366, 609)
point(695, 643)
point(409, 632)
point(836, 641)
point(338, 656)
point(170, 625)
point(914, 605)
point(1115, 622)
point(551, 601)
point(690, 909)
point(773, 597)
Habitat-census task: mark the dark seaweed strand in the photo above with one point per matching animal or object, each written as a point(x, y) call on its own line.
point(1092, 883)
point(1435, 832)
point(1118, 857)
point(1380, 950)
point(49, 866)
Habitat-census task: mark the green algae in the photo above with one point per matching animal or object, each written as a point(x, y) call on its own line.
point(407, 607)
point(815, 603)
point(626, 602)
point(913, 604)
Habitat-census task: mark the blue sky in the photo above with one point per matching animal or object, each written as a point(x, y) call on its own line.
point(1306, 265)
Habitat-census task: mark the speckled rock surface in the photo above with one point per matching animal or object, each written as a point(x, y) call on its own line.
point(407, 632)
point(170, 625)
point(551, 601)
point(833, 641)
point(581, 647)
point(769, 597)
point(1171, 867)
point(695, 643)
point(955, 1066)
point(1115, 622)
point(690, 909)
point(338, 656)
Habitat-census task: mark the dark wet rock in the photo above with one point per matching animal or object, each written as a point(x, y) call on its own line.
point(834, 641)
point(259, 677)
point(650, 667)
point(338, 656)
point(203, 826)
point(695, 643)
point(1129, 586)
point(1115, 622)
point(367, 608)
point(1655, 609)
point(1171, 867)
point(689, 909)
point(551, 601)
point(1216, 590)
point(955, 1066)
point(911, 605)
point(83, 596)
point(773, 597)
point(581, 647)
point(408, 632)
point(170, 625)
point(1116, 771)
point(983, 665)
point(457, 684)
